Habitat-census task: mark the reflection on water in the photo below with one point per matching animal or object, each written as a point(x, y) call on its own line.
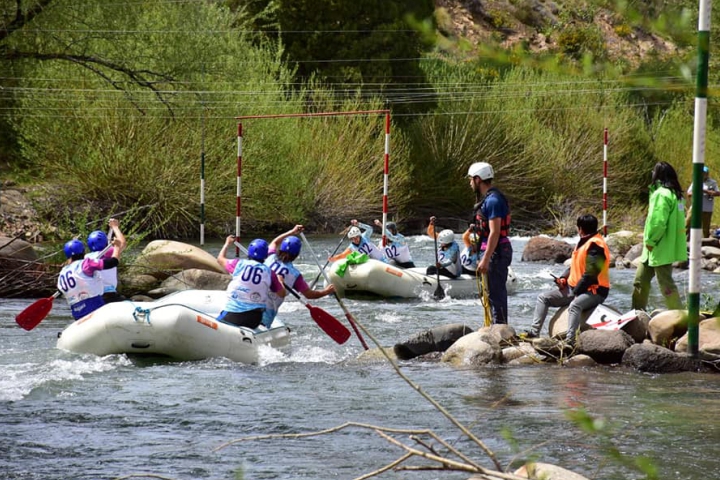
point(83, 417)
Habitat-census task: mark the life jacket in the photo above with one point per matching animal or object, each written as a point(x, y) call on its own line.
point(482, 224)
point(577, 267)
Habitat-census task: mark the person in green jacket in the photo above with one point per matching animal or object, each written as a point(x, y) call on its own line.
point(663, 239)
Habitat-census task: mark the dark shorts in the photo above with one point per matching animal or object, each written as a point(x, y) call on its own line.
point(249, 319)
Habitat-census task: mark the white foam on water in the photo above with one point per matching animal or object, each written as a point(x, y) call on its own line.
point(19, 380)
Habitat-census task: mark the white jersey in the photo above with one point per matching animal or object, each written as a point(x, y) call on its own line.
point(109, 276)
point(82, 292)
point(290, 274)
point(469, 259)
point(372, 250)
point(249, 287)
point(398, 253)
point(450, 259)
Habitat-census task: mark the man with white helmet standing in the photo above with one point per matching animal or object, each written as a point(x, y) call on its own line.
point(491, 216)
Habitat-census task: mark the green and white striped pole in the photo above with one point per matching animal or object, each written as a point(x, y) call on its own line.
point(701, 93)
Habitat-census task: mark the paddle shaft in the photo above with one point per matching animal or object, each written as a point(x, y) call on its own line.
point(439, 292)
point(348, 315)
point(312, 285)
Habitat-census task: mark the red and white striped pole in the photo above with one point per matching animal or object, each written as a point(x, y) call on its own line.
point(238, 203)
point(386, 172)
point(605, 174)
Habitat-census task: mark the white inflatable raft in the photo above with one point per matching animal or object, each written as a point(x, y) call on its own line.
point(181, 326)
point(375, 278)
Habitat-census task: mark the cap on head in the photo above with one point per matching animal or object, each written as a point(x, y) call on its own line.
point(97, 241)
point(706, 169)
point(258, 250)
point(74, 247)
point(291, 246)
point(354, 232)
point(446, 237)
point(481, 169)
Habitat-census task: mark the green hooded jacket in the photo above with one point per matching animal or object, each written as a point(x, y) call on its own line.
point(664, 228)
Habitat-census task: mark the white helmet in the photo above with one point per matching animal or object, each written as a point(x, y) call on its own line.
point(446, 237)
point(482, 170)
point(354, 232)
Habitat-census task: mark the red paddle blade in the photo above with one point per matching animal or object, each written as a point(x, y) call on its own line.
point(329, 324)
point(35, 313)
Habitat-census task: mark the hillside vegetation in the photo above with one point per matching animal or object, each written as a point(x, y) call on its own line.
point(122, 108)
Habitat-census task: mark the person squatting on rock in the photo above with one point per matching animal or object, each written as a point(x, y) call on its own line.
point(583, 286)
point(448, 253)
point(80, 280)
point(491, 216)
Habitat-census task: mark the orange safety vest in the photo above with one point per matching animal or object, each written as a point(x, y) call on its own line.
point(577, 267)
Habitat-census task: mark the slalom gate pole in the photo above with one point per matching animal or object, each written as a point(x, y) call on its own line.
point(238, 201)
point(605, 180)
point(386, 180)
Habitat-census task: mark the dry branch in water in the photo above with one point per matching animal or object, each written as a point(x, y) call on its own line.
point(443, 463)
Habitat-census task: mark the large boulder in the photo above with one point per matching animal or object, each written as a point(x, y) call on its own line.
point(14, 251)
point(605, 346)
point(436, 339)
point(545, 249)
point(475, 349)
point(647, 357)
point(546, 471)
point(163, 258)
point(667, 326)
point(708, 338)
point(192, 279)
point(558, 326)
point(621, 242)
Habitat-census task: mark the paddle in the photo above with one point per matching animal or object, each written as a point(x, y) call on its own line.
point(329, 324)
point(439, 292)
point(312, 285)
point(348, 315)
point(36, 313)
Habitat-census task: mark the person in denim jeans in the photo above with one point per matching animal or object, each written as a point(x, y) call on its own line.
point(491, 218)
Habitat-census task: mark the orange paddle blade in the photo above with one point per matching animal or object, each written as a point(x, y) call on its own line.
point(329, 324)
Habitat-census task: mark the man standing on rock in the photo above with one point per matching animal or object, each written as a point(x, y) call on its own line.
point(491, 218)
point(584, 286)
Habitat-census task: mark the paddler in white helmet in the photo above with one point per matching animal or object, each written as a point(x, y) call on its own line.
point(360, 242)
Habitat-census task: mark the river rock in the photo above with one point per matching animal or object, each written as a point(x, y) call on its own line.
point(558, 325)
point(436, 339)
point(708, 338)
point(546, 471)
point(667, 326)
point(504, 334)
point(545, 249)
point(605, 346)
point(621, 242)
point(194, 278)
point(647, 357)
point(16, 251)
point(579, 361)
point(518, 351)
point(163, 258)
point(632, 256)
point(472, 350)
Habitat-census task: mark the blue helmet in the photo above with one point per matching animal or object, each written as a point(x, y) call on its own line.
point(97, 241)
point(258, 250)
point(291, 246)
point(74, 247)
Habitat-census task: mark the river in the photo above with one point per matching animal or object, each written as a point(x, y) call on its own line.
point(68, 416)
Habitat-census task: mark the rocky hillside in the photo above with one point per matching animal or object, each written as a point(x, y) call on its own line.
point(568, 28)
